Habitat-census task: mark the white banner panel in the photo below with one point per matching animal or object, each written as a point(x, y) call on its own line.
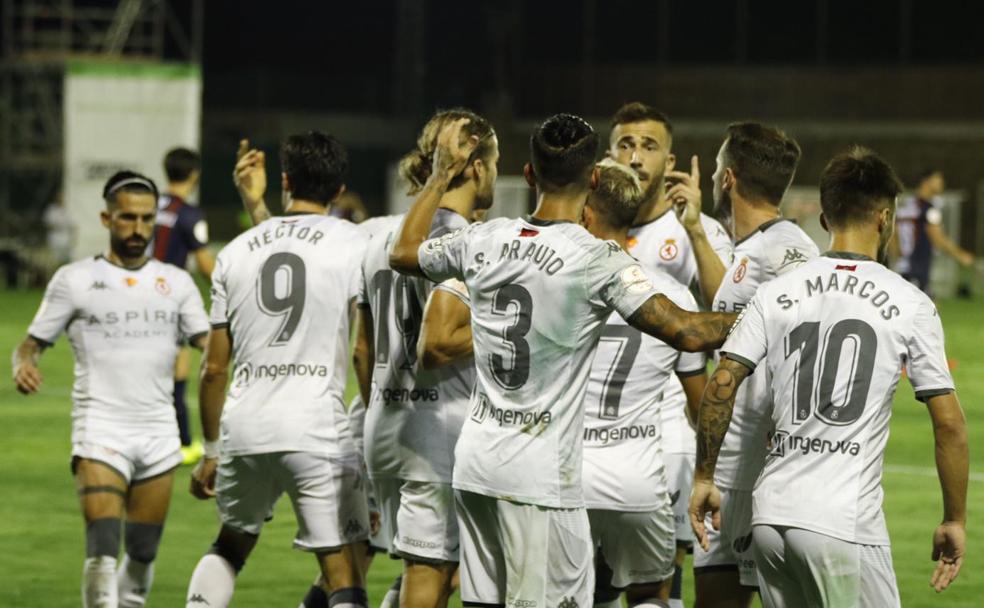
point(122, 115)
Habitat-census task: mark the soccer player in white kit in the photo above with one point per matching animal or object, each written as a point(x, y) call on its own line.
point(541, 289)
point(755, 166)
point(835, 336)
point(282, 296)
point(120, 310)
point(642, 138)
point(629, 507)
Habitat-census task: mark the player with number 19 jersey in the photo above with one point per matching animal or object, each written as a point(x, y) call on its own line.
point(836, 335)
point(290, 341)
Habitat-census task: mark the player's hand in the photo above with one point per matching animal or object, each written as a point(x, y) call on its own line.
point(203, 478)
point(684, 194)
point(965, 258)
point(452, 154)
point(250, 173)
point(704, 498)
point(948, 551)
point(375, 522)
point(28, 378)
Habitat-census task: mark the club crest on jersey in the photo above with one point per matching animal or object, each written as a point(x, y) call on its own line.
point(130, 281)
point(669, 250)
point(741, 271)
point(161, 286)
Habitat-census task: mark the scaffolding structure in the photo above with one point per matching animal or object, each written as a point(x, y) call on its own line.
point(39, 39)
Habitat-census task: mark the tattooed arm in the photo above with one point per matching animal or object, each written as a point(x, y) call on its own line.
point(682, 329)
point(712, 424)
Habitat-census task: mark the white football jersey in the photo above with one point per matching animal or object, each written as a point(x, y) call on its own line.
point(622, 417)
point(410, 429)
point(835, 336)
point(663, 244)
point(285, 289)
point(125, 327)
point(540, 295)
point(775, 248)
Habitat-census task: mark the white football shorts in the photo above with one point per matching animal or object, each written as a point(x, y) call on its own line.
point(136, 459)
point(637, 546)
point(731, 546)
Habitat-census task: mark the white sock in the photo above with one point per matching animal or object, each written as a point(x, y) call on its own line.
point(211, 584)
point(392, 597)
point(133, 580)
point(676, 603)
point(99, 582)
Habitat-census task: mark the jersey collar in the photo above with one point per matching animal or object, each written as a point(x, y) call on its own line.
point(652, 221)
point(538, 222)
point(762, 228)
point(134, 269)
point(847, 255)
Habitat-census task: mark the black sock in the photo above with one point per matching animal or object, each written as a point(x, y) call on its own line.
point(315, 598)
point(181, 412)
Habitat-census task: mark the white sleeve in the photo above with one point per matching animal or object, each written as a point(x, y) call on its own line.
point(719, 239)
point(747, 342)
point(444, 257)
point(219, 315)
point(455, 288)
point(691, 364)
point(927, 367)
point(56, 311)
point(615, 280)
point(192, 316)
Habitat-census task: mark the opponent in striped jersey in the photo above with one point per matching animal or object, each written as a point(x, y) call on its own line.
point(282, 296)
point(642, 138)
point(124, 315)
point(755, 166)
point(630, 507)
point(541, 289)
point(835, 335)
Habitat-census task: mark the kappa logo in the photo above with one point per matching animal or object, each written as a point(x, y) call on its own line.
point(198, 599)
point(742, 543)
point(674, 497)
point(353, 527)
point(568, 602)
point(669, 250)
point(793, 256)
point(97, 285)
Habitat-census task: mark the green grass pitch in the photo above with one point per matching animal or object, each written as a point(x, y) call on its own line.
point(41, 531)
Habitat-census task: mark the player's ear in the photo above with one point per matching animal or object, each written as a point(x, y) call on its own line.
point(338, 195)
point(823, 222)
point(478, 170)
point(284, 182)
point(529, 175)
point(105, 217)
point(587, 217)
point(670, 161)
point(729, 179)
point(595, 178)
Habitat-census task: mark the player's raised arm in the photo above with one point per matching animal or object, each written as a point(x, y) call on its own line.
point(682, 329)
point(250, 178)
point(211, 397)
point(27, 376)
point(952, 458)
point(450, 158)
point(445, 336)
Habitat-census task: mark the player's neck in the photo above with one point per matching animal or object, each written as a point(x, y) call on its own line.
point(560, 206)
point(607, 233)
point(181, 190)
point(460, 200)
point(129, 263)
point(862, 241)
point(749, 216)
point(653, 209)
point(297, 206)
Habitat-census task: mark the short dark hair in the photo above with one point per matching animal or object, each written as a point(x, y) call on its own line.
point(180, 163)
point(636, 111)
point(562, 151)
point(763, 159)
point(316, 165)
point(128, 181)
point(854, 185)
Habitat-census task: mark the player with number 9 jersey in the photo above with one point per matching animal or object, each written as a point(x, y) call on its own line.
point(285, 289)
